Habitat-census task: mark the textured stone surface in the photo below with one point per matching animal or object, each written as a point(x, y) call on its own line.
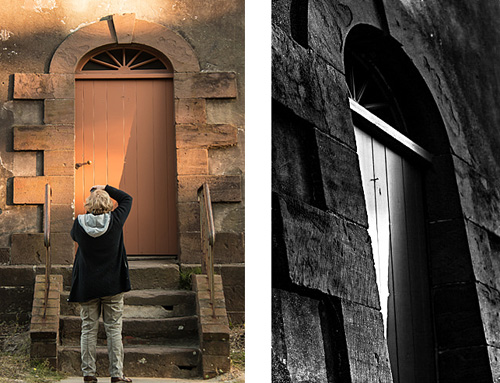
point(327, 253)
point(41, 86)
point(222, 188)
point(204, 135)
point(450, 261)
point(304, 84)
point(189, 214)
point(205, 85)
point(60, 111)
point(177, 49)
point(457, 318)
point(479, 195)
point(31, 190)
point(190, 111)
point(192, 161)
point(366, 346)
point(341, 179)
point(327, 22)
point(25, 164)
point(489, 305)
point(464, 365)
point(303, 336)
point(47, 137)
point(124, 27)
point(485, 253)
point(298, 175)
point(229, 248)
point(29, 249)
point(58, 162)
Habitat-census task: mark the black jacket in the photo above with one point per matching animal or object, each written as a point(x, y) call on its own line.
point(101, 268)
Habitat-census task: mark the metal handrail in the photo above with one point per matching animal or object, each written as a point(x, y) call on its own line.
point(46, 242)
point(208, 239)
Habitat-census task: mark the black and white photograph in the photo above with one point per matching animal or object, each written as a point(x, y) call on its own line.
point(385, 191)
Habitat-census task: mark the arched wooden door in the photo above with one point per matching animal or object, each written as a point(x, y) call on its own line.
point(125, 127)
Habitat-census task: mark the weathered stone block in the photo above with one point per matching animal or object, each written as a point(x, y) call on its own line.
point(205, 85)
point(4, 256)
point(61, 218)
point(25, 164)
point(204, 135)
point(328, 253)
point(31, 190)
point(75, 46)
point(190, 248)
point(222, 188)
point(464, 365)
point(58, 162)
point(485, 254)
point(457, 316)
point(229, 248)
point(59, 111)
point(489, 305)
point(298, 175)
point(441, 190)
point(326, 22)
point(47, 137)
point(189, 217)
point(180, 53)
point(17, 276)
point(192, 161)
point(450, 261)
point(341, 179)
point(305, 351)
point(29, 249)
point(41, 86)
point(190, 111)
point(312, 88)
point(124, 27)
point(479, 196)
point(494, 356)
point(366, 347)
point(216, 348)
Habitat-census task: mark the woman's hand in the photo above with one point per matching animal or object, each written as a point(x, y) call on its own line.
point(97, 187)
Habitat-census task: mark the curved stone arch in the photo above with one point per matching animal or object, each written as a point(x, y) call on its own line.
point(123, 29)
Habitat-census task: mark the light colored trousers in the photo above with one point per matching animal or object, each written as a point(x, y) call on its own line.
point(112, 312)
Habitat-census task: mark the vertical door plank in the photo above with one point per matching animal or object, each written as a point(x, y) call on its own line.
point(88, 138)
point(160, 150)
point(79, 180)
point(401, 271)
point(100, 132)
point(383, 230)
point(420, 294)
point(115, 131)
point(129, 178)
point(145, 165)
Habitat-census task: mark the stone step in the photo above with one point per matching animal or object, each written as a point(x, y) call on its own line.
point(152, 303)
point(137, 331)
point(151, 361)
point(144, 274)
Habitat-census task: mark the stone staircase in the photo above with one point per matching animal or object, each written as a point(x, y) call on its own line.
point(160, 327)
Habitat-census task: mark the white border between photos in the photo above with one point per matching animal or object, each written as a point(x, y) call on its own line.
point(258, 191)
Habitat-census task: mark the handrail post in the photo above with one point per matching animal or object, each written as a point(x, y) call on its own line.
point(46, 241)
point(208, 239)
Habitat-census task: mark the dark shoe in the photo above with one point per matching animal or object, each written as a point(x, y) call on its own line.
point(91, 379)
point(122, 379)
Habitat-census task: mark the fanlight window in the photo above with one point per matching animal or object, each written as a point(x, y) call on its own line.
point(125, 60)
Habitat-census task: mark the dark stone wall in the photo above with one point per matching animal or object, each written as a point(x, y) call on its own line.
point(445, 74)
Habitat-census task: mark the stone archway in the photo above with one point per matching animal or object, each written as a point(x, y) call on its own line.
point(194, 135)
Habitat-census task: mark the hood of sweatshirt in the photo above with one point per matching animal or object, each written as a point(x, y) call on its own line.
point(94, 225)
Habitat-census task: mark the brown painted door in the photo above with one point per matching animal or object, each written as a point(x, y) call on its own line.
point(393, 193)
point(125, 127)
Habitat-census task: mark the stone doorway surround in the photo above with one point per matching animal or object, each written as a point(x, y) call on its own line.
point(194, 136)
